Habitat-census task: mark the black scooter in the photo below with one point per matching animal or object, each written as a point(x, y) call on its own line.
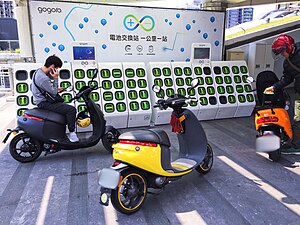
point(41, 130)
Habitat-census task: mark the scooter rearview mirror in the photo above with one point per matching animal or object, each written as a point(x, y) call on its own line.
point(194, 83)
point(70, 88)
point(249, 80)
point(95, 72)
point(156, 88)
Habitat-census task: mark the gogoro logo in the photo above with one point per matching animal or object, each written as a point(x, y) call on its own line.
point(48, 10)
point(131, 23)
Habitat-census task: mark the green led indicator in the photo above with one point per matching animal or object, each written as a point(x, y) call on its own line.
point(129, 73)
point(244, 78)
point(109, 107)
point(225, 70)
point(169, 92)
point(131, 83)
point(241, 98)
point(134, 106)
point(187, 71)
point(250, 98)
point(118, 84)
point(227, 79)
point(142, 83)
point(244, 69)
point(94, 96)
point(90, 73)
point(143, 94)
point(237, 79)
point(177, 71)
point(119, 95)
point(201, 91)
point(65, 84)
point(106, 85)
point(81, 108)
point(105, 73)
point(22, 88)
point(219, 80)
point(80, 100)
point(198, 70)
point(181, 91)
point(160, 94)
point(22, 100)
point(121, 107)
point(200, 80)
point(235, 69)
point(67, 97)
point(132, 95)
point(158, 82)
point(192, 92)
point(166, 71)
point(168, 82)
point(209, 80)
point(221, 89)
point(20, 112)
point(145, 105)
point(140, 72)
point(79, 84)
point(93, 83)
point(211, 90)
point(117, 73)
point(188, 81)
point(156, 72)
point(239, 88)
point(193, 103)
point(229, 89)
point(231, 99)
point(203, 101)
point(179, 81)
point(108, 96)
point(247, 88)
point(79, 74)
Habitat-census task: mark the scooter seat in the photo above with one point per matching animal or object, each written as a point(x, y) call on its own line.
point(47, 115)
point(151, 135)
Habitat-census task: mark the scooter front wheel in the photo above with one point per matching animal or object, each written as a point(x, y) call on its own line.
point(24, 148)
point(130, 193)
point(107, 139)
point(207, 162)
point(275, 155)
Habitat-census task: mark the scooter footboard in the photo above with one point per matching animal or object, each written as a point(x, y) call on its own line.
point(267, 143)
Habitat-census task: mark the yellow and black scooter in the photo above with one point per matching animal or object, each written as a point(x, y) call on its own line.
point(142, 157)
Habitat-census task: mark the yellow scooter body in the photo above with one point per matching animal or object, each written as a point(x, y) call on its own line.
point(146, 158)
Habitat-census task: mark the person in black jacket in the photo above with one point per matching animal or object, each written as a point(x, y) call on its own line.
point(285, 46)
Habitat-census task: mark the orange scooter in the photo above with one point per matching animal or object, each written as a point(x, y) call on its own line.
point(272, 120)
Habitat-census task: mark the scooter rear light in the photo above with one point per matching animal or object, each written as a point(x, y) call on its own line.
point(267, 119)
point(32, 117)
point(129, 142)
point(116, 163)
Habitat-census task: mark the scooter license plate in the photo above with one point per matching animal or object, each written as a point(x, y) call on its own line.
point(267, 143)
point(108, 178)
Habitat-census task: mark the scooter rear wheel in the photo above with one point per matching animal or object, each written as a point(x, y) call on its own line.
point(207, 162)
point(131, 192)
point(24, 148)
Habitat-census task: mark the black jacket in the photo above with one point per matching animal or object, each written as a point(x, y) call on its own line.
point(289, 73)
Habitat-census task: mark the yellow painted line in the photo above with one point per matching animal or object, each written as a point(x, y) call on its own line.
point(279, 196)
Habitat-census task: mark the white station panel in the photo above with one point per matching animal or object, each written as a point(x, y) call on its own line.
point(113, 94)
point(160, 73)
point(65, 80)
point(183, 76)
point(206, 91)
point(23, 73)
point(224, 89)
point(244, 94)
point(138, 97)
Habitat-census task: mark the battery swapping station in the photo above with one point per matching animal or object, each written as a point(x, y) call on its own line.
point(244, 94)
point(113, 94)
point(83, 64)
point(160, 73)
point(225, 91)
point(183, 76)
point(138, 97)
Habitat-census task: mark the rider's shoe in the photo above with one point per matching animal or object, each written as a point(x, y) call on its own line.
point(289, 150)
point(73, 137)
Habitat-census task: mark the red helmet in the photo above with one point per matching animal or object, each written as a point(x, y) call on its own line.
point(283, 42)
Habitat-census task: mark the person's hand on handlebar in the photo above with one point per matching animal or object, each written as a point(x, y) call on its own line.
point(60, 90)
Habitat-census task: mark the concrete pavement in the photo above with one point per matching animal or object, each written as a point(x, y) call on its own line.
point(243, 187)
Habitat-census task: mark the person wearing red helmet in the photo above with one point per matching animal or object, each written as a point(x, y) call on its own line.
point(284, 45)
